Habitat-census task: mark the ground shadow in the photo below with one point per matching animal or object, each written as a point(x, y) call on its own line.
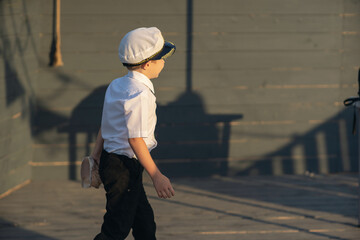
point(9, 230)
point(256, 219)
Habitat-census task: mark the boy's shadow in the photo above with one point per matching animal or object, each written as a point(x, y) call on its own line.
point(191, 142)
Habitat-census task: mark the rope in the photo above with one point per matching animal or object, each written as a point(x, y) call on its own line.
point(57, 56)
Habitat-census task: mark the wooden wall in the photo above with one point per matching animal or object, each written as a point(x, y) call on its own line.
point(18, 76)
point(255, 87)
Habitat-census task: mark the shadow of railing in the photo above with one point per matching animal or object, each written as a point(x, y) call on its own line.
point(180, 123)
point(329, 147)
point(191, 141)
point(13, 52)
point(18, 60)
point(84, 119)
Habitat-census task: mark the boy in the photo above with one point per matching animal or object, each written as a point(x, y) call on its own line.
point(126, 138)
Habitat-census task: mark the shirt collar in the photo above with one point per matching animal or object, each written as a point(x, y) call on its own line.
point(141, 78)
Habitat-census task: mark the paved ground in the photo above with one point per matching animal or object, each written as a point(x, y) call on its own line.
point(287, 207)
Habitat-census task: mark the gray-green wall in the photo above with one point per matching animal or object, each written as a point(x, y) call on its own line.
point(19, 67)
point(255, 87)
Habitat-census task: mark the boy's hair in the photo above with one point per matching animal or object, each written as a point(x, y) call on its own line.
point(133, 68)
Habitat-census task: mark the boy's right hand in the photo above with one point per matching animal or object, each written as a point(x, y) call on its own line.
point(162, 186)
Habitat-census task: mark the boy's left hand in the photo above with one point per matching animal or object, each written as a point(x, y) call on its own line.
point(163, 186)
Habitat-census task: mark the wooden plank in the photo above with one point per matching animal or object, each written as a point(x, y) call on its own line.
point(240, 132)
point(254, 114)
point(18, 8)
point(351, 59)
point(47, 7)
point(23, 69)
point(54, 172)
point(261, 117)
point(171, 79)
point(65, 80)
point(78, 120)
point(14, 110)
point(86, 24)
point(268, 125)
point(263, 6)
point(16, 139)
point(247, 79)
point(220, 41)
point(264, 59)
point(199, 7)
point(220, 60)
point(175, 24)
point(259, 96)
point(10, 180)
point(58, 137)
point(267, 41)
point(16, 164)
point(351, 6)
point(351, 42)
point(346, 93)
point(18, 26)
point(66, 99)
point(70, 99)
point(349, 75)
point(252, 150)
point(351, 23)
point(53, 156)
point(266, 23)
point(124, 7)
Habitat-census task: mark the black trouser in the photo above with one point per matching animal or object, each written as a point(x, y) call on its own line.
point(127, 206)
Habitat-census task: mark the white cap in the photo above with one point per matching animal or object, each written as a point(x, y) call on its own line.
point(143, 44)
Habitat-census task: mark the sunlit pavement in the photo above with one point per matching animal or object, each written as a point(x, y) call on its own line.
point(283, 207)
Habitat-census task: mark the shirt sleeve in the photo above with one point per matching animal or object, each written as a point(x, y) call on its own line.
point(136, 116)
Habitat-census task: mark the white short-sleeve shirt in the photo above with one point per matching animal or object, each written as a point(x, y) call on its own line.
point(129, 112)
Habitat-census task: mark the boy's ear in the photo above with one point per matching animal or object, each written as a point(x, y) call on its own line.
point(145, 66)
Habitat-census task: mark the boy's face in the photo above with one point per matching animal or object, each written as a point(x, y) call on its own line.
point(155, 68)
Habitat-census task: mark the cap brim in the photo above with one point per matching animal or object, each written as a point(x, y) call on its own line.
point(168, 50)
